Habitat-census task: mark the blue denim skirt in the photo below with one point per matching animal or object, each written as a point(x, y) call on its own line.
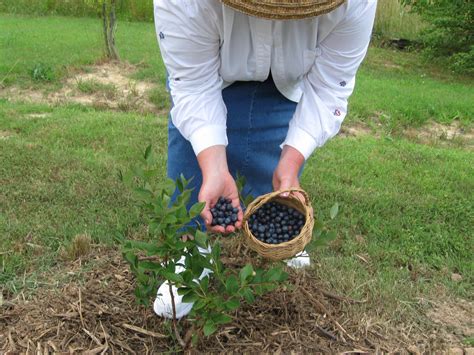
point(258, 116)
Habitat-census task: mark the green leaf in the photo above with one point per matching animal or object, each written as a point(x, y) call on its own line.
point(221, 319)
point(232, 304)
point(151, 248)
point(147, 152)
point(179, 184)
point(201, 239)
point(143, 194)
point(169, 187)
point(248, 200)
point(231, 285)
point(190, 297)
point(276, 274)
point(169, 219)
point(184, 291)
point(148, 265)
point(200, 304)
point(171, 276)
point(205, 283)
point(248, 295)
point(245, 273)
point(334, 210)
point(131, 258)
point(196, 209)
point(209, 328)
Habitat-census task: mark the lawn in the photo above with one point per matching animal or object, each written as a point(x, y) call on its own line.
point(405, 222)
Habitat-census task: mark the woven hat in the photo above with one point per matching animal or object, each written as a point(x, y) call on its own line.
point(284, 9)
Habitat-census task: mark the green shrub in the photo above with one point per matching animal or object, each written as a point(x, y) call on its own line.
point(449, 32)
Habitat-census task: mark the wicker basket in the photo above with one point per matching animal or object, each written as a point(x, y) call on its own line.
point(287, 249)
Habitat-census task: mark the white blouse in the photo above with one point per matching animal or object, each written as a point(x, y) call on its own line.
point(207, 46)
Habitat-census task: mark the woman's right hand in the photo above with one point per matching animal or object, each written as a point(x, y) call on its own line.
point(217, 182)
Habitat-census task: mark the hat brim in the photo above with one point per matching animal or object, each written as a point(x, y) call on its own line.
point(283, 10)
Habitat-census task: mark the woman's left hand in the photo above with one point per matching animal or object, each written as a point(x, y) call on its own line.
point(285, 175)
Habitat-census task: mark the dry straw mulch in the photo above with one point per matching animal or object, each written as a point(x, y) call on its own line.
point(95, 311)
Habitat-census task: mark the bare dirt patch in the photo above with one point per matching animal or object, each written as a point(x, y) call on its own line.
point(356, 130)
point(93, 309)
point(5, 134)
point(108, 85)
point(436, 133)
point(455, 318)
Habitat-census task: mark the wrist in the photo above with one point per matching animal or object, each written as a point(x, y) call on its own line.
point(213, 161)
point(291, 159)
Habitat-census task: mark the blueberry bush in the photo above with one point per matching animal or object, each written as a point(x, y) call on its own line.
point(157, 258)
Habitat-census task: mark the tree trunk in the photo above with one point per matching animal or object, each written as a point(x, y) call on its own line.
point(105, 26)
point(112, 31)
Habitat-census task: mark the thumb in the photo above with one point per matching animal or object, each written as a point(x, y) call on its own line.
point(206, 213)
point(287, 184)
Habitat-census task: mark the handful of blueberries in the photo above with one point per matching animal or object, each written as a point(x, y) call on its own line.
point(276, 223)
point(223, 213)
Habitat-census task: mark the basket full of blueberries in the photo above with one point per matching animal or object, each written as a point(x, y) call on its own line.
point(279, 227)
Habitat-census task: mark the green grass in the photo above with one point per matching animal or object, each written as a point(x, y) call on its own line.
point(403, 90)
point(397, 89)
point(59, 178)
point(405, 208)
point(67, 43)
point(411, 203)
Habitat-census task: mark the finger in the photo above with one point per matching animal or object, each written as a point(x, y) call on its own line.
point(216, 229)
point(240, 217)
point(206, 214)
point(229, 229)
point(288, 184)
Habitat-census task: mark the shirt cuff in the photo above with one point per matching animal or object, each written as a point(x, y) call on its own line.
point(208, 136)
point(301, 140)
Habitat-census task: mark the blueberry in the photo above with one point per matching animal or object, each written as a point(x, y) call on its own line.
point(300, 223)
point(235, 210)
point(220, 214)
point(284, 229)
point(214, 222)
point(281, 215)
point(222, 208)
point(286, 236)
point(233, 217)
point(290, 228)
point(283, 222)
point(220, 220)
point(261, 229)
point(230, 207)
point(268, 235)
point(227, 221)
point(277, 219)
point(278, 230)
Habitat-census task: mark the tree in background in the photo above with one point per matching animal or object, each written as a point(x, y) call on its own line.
point(107, 9)
point(450, 31)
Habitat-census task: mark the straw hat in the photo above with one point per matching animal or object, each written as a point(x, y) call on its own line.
point(283, 9)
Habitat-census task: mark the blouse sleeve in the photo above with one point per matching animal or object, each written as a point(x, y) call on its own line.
point(189, 43)
point(330, 82)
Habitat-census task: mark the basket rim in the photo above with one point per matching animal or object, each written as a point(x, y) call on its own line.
point(304, 206)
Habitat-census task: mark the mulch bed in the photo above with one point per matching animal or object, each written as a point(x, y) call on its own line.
point(96, 312)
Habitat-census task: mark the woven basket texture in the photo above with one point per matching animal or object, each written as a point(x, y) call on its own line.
point(284, 9)
point(288, 249)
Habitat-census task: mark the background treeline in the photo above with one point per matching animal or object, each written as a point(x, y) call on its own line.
point(392, 20)
point(444, 28)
